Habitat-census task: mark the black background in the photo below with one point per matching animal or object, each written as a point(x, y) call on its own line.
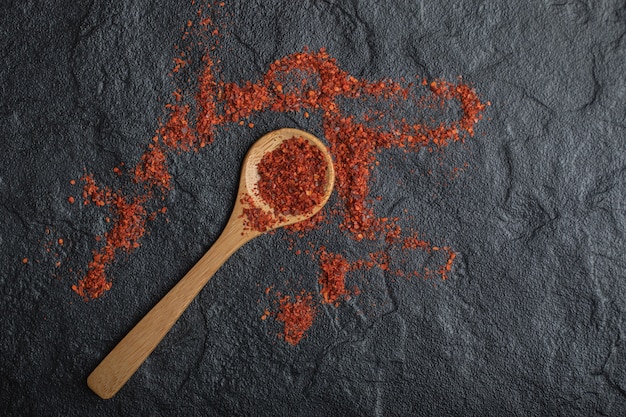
point(531, 320)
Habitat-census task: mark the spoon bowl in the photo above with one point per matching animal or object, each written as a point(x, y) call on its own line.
point(122, 362)
point(250, 175)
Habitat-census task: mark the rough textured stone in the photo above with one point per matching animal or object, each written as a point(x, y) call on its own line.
point(530, 322)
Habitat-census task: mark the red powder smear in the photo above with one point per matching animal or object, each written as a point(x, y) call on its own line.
point(127, 209)
point(297, 316)
point(292, 177)
point(332, 278)
point(93, 193)
point(414, 242)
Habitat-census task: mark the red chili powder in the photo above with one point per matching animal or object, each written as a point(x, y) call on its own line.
point(255, 218)
point(152, 168)
point(293, 177)
point(354, 144)
point(332, 278)
point(292, 181)
point(128, 227)
point(308, 83)
point(297, 316)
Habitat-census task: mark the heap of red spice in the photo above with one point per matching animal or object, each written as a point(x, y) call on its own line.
point(297, 316)
point(292, 177)
point(306, 82)
point(292, 180)
point(332, 278)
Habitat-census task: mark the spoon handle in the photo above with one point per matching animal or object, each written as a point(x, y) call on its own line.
point(122, 362)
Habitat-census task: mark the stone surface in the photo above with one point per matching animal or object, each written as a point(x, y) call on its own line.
point(530, 322)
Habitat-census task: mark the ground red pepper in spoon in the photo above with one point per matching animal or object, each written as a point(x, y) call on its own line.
point(292, 177)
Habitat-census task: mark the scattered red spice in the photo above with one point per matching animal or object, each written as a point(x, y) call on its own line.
point(309, 83)
point(71, 199)
point(332, 278)
point(179, 64)
point(297, 315)
point(93, 193)
point(414, 242)
point(152, 168)
point(25, 260)
point(292, 177)
point(206, 99)
point(128, 227)
point(177, 133)
point(255, 218)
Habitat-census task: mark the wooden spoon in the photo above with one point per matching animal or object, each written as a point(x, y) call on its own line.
point(119, 365)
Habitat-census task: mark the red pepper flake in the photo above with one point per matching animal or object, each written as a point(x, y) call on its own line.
point(152, 168)
point(177, 133)
point(179, 64)
point(25, 260)
point(255, 218)
point(297, 316)
point(71, 199)
point(206, 99)
point(128, 228)
point(292, 177)
point(304, 82)
point(332, 279)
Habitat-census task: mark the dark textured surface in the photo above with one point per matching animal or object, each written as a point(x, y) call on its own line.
point(530, 322)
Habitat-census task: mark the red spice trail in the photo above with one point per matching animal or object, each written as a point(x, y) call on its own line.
point(129, 216)
point(332, 278)
point(255, 218)
point(354, 144)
